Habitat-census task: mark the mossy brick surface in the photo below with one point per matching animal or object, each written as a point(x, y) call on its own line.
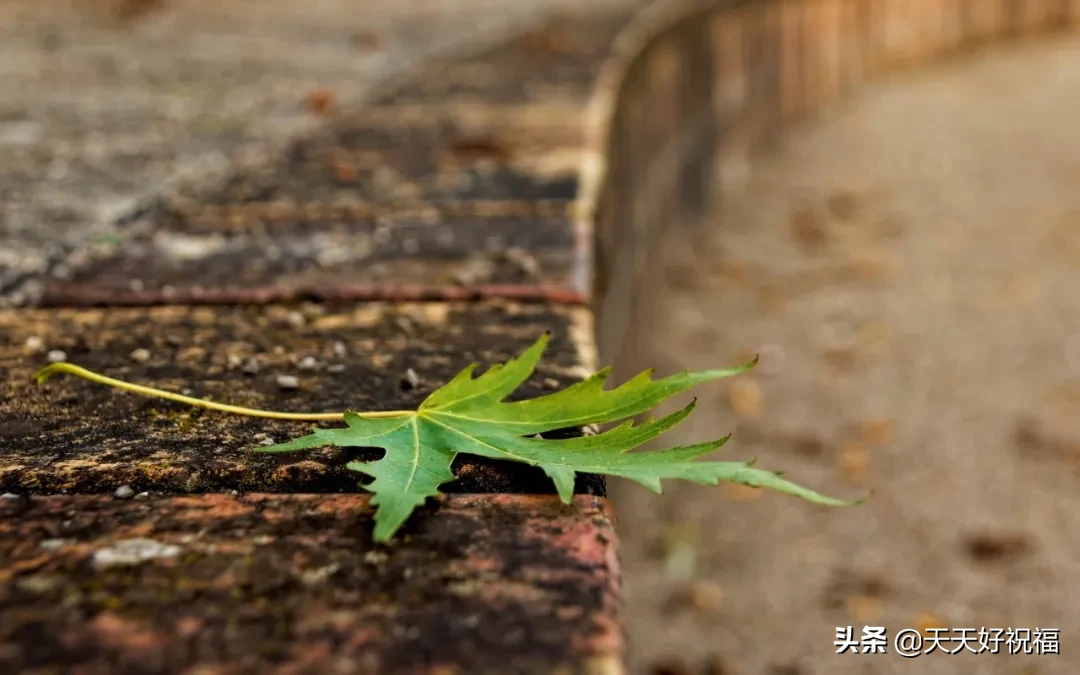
point(463, 175)
point(108, 104)
point(477, 585)
point(430, 227)
point(77, 436)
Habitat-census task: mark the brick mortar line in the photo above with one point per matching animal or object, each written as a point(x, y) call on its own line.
point(553, 295)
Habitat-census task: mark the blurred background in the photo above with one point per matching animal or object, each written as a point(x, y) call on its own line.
point(906, 263)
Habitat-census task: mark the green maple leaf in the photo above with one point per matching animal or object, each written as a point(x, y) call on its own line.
point(469, 414)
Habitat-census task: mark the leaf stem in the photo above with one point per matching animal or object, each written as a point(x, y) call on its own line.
point(46, 372)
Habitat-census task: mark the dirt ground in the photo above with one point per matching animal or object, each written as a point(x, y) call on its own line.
point(908, 266)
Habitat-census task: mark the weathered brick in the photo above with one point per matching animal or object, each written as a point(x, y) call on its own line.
point(480, 585)
point(74, 435)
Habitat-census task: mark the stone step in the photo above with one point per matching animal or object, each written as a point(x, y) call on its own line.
point(293, 584)
point(71, 435)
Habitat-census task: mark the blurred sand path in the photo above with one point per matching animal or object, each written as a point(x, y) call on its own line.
point(908, 265)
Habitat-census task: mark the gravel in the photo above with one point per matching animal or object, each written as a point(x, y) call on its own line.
point(288, 382)
point(124, 492)
point(409, 379)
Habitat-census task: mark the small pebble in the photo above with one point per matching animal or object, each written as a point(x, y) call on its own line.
point(34, 344)
point(233, 361)
point(375, 557)
point(523, 260)
point(336, 368)
point(266, 441)
point(133, 552)
point(339, 350)
point(410, 380)
point(288, 381)
point(124, 492)
point(140, 355)
point(308, 363)
point(295, 319)
point(142, 495)
point(318, 575)
point(252, 366)
point(14, 504)
point(56, 356)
